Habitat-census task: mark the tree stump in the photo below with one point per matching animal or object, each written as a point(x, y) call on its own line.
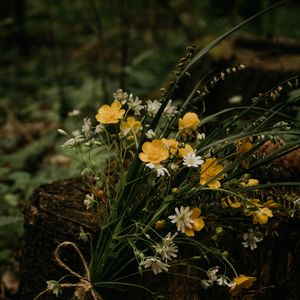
point(56, 214)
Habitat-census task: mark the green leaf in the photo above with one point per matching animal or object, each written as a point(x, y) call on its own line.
point(8, 220)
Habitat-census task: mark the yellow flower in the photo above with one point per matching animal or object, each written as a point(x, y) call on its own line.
point(197, 224)
point(261, 215)
point(244, 146)
point(154, 152)
point(160, 224)
point(182, 152)
point(209, 169)
point(171, 144)
point(131, 124)
point(188, 123)
point(250, 182)
point(110, 114)
point(233, 202)
point(241, 282)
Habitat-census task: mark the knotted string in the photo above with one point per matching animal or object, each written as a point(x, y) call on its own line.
point(84, 285)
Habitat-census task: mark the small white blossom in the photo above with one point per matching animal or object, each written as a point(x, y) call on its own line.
point(121, 96)
point(153, 107)
point(211, 273)
point(54, 286)
point(200, 136)
point(135, 105)
point(191, 160)
point(160, 170)
point(167, 250)
point(150, 134)
point(206, 283)
point(251, 238)
point(174, 166)
point(170, 110)
point(74, 113)
point(224, 281)
point(99, 128)
point(156, 264)
point(89, 201)
point(182, 219)
point(235, 99)
point(78, 138)
point(86, 127)
point(62, 132)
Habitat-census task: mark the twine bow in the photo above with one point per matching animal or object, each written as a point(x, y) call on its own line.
point(84, 285)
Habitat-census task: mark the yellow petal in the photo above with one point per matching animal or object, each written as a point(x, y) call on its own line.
point(189, 232)
point(199, 224)
point(195, 213)
point(214, 184)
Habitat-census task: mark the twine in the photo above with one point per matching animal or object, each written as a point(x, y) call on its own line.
point(84, 285)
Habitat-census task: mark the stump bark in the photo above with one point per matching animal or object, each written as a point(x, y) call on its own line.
point(56, 213)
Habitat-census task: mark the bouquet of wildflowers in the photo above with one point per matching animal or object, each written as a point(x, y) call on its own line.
point(175, 178)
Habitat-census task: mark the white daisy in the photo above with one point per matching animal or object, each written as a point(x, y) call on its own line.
point(150, 134)
point(153, 107)
point(251, 239)
point(160, 170)
point(211, 273)
point(168, 249)
point(135, 105)
point(191, 160)
point(120, 96)
point(156, 264)
point(182, 218)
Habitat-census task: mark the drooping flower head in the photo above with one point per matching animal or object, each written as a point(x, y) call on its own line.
point(241, 282)
point(188, 123)
point(209, 169)
point(110, 114)
point(154, 152)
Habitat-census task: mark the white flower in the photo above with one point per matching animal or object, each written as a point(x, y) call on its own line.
point(89, 201)
point(191, 160)
point(62, 132)
point(200, 136)
point(251, 238)
point(120, 96)
point(206, 283)
point(135, 105)
point(211, 273)
point(54, 286)
point(150, 134)
point(86, 127)
point(174, 166)
point(160, 170)
point(78, 138)
point(156, 264)
point(170, 110)
point(235, 99)
point(153, 107)
point(99, 128)
point(74, 113)
point(223, 280)
point(168, 249)
point(182, 218)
